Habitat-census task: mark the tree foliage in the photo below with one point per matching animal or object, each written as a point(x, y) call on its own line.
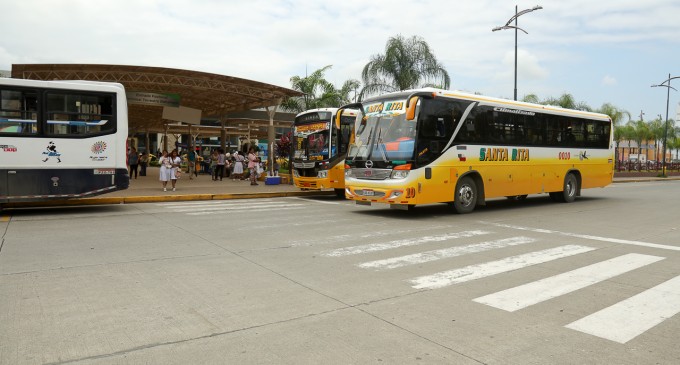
point(407, 63)
point(318, 92)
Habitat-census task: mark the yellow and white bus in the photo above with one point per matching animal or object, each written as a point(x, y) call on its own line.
point(434, 146)
point(315, 135)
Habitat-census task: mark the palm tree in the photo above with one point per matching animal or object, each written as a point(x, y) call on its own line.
point(641, 133)
point(319, 93)
point(567, 101)
point(406, 64)
point(617, 116)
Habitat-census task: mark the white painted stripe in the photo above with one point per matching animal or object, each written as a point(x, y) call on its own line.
point(236, 207)
point(400, 243)
point(587, 237)
point(434, 255)
point(539, 291)
point(319, 201)
point(249, 210)
point(630, 318)
point(354, 237)
point(210, 202)
point(474, 272)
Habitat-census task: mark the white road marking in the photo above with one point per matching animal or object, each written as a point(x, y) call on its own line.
point(474, 272)
point(318, 201)
point(630, 318)
point(354, 250)
point(434, 255)
point(587, 237)
point(236, 207)
point(210, 202)
point(244, 210)
point(538, 291)
point(358, 237)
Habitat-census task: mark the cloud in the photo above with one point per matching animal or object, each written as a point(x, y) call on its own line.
point(609, 80)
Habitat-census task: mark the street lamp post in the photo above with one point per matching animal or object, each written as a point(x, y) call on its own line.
point(665, 128)
point(515, 27)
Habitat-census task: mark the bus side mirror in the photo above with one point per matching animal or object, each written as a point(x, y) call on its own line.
point(411, 109)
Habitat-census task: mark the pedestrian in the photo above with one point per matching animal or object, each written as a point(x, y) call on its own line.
point(221, 160)
point(253, 161)
point(143, 163)
point(213, 164)
point(238, 166)
point(191, 162)
point(166, 169)
point(175, 162)
point(133, 161)
point(227, 164)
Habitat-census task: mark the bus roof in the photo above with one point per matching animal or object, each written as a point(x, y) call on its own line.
point(65, 84)
point(549, 109)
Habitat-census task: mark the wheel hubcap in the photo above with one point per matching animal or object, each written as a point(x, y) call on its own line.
point(465, 195)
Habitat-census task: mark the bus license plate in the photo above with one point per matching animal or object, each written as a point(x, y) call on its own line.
point(369, 192)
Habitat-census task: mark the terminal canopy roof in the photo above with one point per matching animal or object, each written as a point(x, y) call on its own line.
point(218, 97)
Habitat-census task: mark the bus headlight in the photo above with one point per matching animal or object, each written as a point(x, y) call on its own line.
point(348, 172)
point(322, 174)
point(296, 173)
point(399, 174)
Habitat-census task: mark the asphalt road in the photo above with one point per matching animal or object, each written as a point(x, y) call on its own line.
point(321, 280)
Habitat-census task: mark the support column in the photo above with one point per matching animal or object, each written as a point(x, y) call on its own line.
point(271, 137)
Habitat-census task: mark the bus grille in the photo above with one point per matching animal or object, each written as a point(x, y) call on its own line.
point(303, 165)
point(372, 174)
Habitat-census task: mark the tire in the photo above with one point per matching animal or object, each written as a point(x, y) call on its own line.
point(568, 194)
point(340, 193)
point(465, 198)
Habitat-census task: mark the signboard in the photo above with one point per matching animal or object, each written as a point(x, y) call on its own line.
point(182, 114)
point(146, 98)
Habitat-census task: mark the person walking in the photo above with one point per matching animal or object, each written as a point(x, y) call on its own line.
point(175, 162)
point(191, 164)
point(133, 161)
point(166, 169)
point(213, 164)
point(221, 160)
point(237, 174)
point(253, 161)
point(143, 163)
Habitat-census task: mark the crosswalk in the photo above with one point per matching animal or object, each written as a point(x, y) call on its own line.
point(216, 207)
point(620, 322)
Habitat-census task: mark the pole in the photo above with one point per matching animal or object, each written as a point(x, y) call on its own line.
point(516, 52)
point(665, 128)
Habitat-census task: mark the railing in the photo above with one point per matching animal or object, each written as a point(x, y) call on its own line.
point(649, 166)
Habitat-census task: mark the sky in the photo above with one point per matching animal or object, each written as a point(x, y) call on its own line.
point(605, 51)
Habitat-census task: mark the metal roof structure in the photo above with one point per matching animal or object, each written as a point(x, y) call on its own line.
point(217, 96)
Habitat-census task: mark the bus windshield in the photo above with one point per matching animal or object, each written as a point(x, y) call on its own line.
point(383, 133)
point(312, 141)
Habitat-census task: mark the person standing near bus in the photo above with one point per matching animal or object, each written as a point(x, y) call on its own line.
point(143, 163)
point(191, 162)
point(221, 160)
point(253, 161)
point(166, 169)
point(237, 174)
point(133, 161)
point(175, 162)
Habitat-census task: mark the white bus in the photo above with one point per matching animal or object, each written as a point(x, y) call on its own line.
point(61, 139)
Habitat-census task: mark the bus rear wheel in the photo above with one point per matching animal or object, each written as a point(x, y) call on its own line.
point(568, 194)
point(465, 198)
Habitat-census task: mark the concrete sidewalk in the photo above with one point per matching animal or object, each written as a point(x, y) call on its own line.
point(149, 189)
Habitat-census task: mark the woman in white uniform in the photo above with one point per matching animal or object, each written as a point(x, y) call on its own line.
point(175, 161)
point(166, 169)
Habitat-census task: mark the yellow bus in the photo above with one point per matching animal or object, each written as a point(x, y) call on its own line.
point(435, 146)
point(319, 148)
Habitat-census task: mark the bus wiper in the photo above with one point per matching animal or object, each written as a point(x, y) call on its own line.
point(381, 145)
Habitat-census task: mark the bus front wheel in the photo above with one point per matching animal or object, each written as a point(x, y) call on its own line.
point(570, 187)
point(466, 196)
